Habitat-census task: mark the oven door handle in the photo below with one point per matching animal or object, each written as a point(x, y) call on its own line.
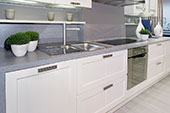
point(138, 56)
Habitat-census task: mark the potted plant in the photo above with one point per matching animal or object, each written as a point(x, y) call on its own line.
point(34, 40)
point(144, 34)
point(19, 43)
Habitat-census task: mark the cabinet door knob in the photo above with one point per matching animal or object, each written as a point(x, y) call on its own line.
point(47, 68)
point(75, 3)
point(108, 56)
point(107, 87)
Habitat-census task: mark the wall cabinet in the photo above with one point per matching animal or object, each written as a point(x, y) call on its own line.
point(38, 90)
point(149, 8)
point(76, 3)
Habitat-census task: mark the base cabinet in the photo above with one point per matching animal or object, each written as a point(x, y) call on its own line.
point(156, 60)
point(102, 99)
point(88, 85)
point(37, 90)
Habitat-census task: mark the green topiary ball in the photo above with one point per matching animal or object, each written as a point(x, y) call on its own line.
point(18, 39)
point(34, 35)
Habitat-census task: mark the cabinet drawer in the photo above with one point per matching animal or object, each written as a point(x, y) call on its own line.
point(156, 50)
point(103, 98)
point(96, 71)
point(156, 68)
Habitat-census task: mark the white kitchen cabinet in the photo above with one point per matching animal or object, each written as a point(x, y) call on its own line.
point(134, 9)
point(101, 82)
point(156, 60)
point(153, 4)
point(46, 89)
point(156, 50)
point(103, 98)
point(156, 68)
point(44, 1)
point(80, 3)
point(149, 8)
point(97, 70)
point(167, 57)
point(76, 3)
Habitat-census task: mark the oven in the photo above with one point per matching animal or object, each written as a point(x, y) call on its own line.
point(137, 66)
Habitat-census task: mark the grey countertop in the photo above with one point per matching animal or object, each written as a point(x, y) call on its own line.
point(8, 62)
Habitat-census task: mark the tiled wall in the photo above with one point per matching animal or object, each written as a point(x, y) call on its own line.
point(103, 22)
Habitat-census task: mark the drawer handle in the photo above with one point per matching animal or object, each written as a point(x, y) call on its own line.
point(159, 44)
point(47, 69)
point(107, 56)
point(75, 3)
point(107, 87)
point(159, 63)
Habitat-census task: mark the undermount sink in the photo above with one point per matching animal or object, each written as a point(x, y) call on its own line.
point(87, 46)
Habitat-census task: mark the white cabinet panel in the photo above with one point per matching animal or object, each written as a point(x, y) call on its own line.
point(97, 70)
point(103, 98)
point(156, 68)
point(51, 91)
point(76, 3)
point(156, 50)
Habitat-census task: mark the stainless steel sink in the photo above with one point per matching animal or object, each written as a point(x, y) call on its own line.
point(87, 46)
point(53, 49)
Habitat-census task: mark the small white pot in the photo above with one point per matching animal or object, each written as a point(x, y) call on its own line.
point(19, 50)
point(32, 46)
point(144, 37)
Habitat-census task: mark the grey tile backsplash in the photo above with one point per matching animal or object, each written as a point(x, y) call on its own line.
point(102, 22)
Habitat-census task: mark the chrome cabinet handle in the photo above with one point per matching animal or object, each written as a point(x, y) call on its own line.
point(47, 68)
point(159, 63)
point(159, 44)
point(75, 3)
point(108, 56)
point(107, 87)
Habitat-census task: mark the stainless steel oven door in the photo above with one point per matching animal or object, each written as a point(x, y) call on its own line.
point(137, 70)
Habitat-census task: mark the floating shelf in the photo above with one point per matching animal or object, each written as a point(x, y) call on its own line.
point(3, 21)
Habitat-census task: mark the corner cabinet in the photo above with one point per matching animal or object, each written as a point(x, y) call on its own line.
point(75, 3)
point(46, 89)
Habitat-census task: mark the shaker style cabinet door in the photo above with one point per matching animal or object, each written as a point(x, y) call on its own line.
point(81, 3)
point(50, 91)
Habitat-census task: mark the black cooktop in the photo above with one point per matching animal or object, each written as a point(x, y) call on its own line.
point(118, 41)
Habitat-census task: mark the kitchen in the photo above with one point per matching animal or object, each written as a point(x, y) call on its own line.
point(87, 56)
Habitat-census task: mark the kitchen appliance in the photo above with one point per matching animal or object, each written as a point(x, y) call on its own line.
point(118, 41)
point(120, 3)
point(137, 66)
